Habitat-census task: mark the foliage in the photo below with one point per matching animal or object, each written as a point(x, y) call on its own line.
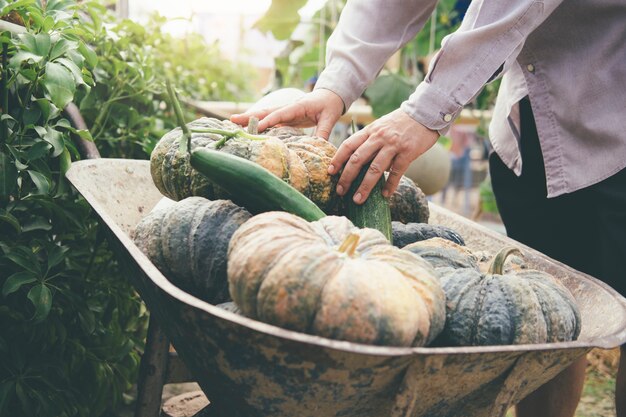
point(281, 18)
point(72, 326)
point(127, 108)
point(388, 92)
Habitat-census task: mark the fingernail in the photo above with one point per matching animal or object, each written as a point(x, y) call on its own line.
point(386, 193)
point(357, 197)
point(331, 169)
point(339, 190)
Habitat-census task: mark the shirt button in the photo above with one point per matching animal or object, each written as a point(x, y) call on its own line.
point(447, 117)
point(530, 68)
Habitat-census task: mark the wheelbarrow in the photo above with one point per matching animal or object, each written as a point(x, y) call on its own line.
point(252, 369)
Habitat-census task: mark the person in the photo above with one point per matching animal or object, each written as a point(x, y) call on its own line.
point(558, 128)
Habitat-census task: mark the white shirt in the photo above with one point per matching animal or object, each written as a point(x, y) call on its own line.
point(568, 56)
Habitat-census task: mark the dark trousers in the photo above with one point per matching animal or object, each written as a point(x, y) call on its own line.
point(585, 229)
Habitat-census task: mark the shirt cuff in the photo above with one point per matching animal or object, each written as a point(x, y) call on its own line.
point(342, 83)
point(432, 108)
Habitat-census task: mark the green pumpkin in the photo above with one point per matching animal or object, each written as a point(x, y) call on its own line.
point(497, 308)
point(188, 242)
point(405, 234)
point(334, 280)
point(443, 253)
point(301, 161)
point(408, 204)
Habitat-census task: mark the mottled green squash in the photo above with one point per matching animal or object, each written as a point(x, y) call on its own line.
point(332, 279)
point(443, 253)
point(405, 234)
point(408, 203)
point(373, 212)
point(500, 309)
point(301, 161)
point(188, 242)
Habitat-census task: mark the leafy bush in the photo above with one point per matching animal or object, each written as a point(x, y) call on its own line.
point(72, 326)
point(126, 110)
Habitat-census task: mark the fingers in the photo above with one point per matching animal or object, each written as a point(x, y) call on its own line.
point(286, 115)
point(399, 166)
point(365, 153)
point(325, 125)
point(379, 164)
point(243, 118)
point(346, 149)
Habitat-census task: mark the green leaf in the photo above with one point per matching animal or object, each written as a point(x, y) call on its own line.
point(48, 23)
point(56, 255)
point(23, 56)
point(387, 93)
point(31, 115)
point(38, 44)
point(76, 72)
point(15, 282)
point(59, 83)
point(90, 56)
point(42, 183)
point(16, 5)
point(38, 150)
point(65, 161)
point(7, 217)
point(37, 223)
point(6, 389)
point(25, 258)
point(281, 19)
point(29, 73)
point(8, 176)
point(41, 297)
point(54, 138)
point(84, 134)
point(60, 48)
point(47, 108)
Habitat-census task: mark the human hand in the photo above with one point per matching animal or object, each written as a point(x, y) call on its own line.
point(391, 143)
point(321, 108)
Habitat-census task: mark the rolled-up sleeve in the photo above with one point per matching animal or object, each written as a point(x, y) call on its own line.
point(368, 33)
point(492, 33)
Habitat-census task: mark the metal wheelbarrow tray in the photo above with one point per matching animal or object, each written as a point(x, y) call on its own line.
point(252, 369)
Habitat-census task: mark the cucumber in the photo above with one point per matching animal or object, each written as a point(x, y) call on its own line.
point(374, 212)
point(253, 186)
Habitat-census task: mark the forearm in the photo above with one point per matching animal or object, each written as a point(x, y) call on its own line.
point(492, 33)
point(368, 33)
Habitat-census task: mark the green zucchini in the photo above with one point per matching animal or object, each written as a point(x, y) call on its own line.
point(374, 212)
point(253, 185)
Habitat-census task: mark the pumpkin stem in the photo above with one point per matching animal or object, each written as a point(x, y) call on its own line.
point(349, 244)
point(497, 264)
point(229, 134)
point(185, 141)
point(253, 125)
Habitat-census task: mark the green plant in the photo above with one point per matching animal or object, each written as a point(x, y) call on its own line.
point(126, 109)
point(72, 327)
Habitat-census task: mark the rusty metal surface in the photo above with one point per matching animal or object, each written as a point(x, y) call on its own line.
point(251, 369)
